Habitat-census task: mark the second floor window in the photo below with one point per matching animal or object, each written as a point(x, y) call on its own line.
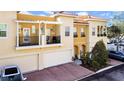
point(98, 30)
point(93, 31)
point(3, 30)
point(82, 32)
point(75, 32)
point(67, 31)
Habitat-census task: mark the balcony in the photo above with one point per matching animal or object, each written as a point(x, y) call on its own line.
point(82, 35)
point(101, 35)
point(28, 40)
point(53, 39)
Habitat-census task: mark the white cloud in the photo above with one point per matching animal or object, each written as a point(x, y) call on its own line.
point(82, 13)
point(25, 12)
point(41, 15)
point(104, 14)
point(49, 12)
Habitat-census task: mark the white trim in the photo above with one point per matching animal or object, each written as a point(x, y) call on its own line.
point(44, 36)
point(38, 46)
point(22, 21)
point(39, 34)
point(51, 22)
point(81, 24)
point(96, 20)
point(46, 22)
point(17, 35)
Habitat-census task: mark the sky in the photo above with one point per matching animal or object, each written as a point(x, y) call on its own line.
point(103, 14)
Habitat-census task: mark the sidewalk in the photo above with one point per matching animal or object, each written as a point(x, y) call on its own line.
point(114, 62)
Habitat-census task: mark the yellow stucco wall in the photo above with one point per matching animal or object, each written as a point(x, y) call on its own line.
point(93, 39)
point(35, 18)
point(79, 41)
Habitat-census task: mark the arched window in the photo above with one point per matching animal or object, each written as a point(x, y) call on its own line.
point(101, 30)
point(82, 32)
point(98, 30)
point(105, 31)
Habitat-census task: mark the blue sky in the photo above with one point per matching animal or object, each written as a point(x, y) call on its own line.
point(103, 14)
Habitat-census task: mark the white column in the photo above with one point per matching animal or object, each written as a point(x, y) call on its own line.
point(39, 34)
point(17, 35)
point(45, 34)
point(60, 33)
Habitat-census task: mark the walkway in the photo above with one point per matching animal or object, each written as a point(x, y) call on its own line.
point(65, 72)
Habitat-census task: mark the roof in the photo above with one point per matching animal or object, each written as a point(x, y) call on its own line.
point(34, 17)
point(64, 14)
point(85, 19)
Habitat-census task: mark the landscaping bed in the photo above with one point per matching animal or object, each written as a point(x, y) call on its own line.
point(93, 69)
point(97, 58)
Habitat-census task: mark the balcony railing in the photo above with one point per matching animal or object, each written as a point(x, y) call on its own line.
point(28, 40)
point(100, 35)
point(53, 39)
point(82, 35)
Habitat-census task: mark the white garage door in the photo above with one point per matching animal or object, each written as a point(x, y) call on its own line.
point(57, 58)
point(26, 63)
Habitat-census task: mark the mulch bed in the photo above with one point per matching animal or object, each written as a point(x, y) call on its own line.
point(92, 69)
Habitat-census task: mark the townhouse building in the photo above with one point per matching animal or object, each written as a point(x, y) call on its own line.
point(87, 31)
point(37, 42)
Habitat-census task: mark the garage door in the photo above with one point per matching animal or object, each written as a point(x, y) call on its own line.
point(26, 63)
point(57, 58)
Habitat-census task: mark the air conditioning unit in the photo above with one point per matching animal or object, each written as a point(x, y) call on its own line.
point(11, 73)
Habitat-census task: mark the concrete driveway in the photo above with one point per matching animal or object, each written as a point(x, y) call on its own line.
point(65, 72)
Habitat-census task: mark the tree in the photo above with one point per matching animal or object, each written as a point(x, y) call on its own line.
point(117, 29)
point(100, 54)
point(115, 32)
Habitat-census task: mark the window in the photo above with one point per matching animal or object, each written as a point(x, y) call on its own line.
point(98, 30)
point(104, 31)
point(42, 30)
point(101, 30)
point(93, 31)
point(33, 28)
point(75, 32)
point(67, 31)
point(82, 32)
point(3, 30)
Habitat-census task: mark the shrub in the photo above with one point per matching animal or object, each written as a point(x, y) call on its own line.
point(85, 58)
point(95, 65)
point(100, 54)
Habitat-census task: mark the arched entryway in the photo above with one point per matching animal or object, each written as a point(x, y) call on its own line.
point(76, 51)
point(83, 49)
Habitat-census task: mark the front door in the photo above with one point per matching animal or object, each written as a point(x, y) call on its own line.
point(26, 35)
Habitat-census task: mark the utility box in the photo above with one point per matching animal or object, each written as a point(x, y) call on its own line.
point(11, 73)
